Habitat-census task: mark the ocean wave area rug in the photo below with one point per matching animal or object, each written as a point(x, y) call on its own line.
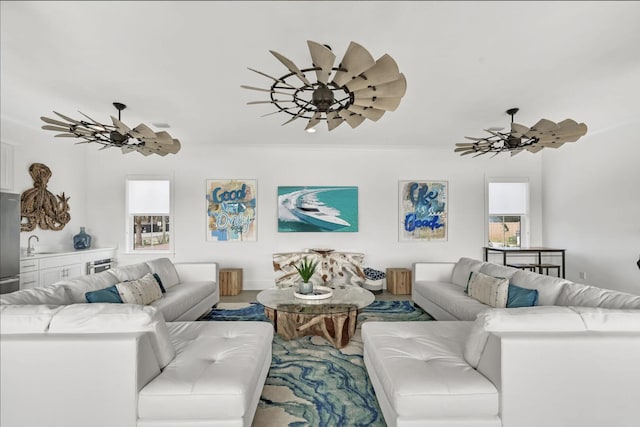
point(310, 382)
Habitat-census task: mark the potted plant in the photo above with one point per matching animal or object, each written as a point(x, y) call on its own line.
point(306, 270)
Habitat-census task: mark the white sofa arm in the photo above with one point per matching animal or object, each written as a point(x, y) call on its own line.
point(74, 379)
point(593, 376)
point(197, 271)
point(433, 271)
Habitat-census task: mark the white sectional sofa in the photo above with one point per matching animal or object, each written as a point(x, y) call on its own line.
point(191, 288)
point(72, 364)
point(569, 362)
point(439, 288)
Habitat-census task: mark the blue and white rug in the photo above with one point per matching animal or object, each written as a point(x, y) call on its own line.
point(313, 384)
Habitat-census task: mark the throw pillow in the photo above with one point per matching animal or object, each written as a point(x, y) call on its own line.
point(142, 291)
point(155, 275)
point(521, 297)
point(109, 294)
point(489, 290)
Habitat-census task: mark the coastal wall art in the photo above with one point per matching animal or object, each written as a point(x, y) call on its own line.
point(423, 210)
point(317, 209)
point(231, 210)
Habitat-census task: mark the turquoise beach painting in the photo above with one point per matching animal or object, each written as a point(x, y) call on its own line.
point(317, 209)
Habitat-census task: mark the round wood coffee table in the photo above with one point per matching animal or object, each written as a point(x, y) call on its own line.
point(333, 318)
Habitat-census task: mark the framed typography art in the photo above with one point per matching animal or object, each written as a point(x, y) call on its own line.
point(231, 210)
point(423, 210)
point(317, 209)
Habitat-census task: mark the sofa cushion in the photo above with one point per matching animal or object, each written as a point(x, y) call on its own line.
point(451, 298)
point(498, 270)
point(591, 296)
point(26, 319)
point(79, 286)
point(420, 367)
point(52, 295)
point(179, 299)
point(542, 318)
point(110, 295)
point(166, 270)
point(215, 374)
point(607, 319)
point(548, 287)
point(130, 272)
point(521, 297)
point(92, 318)
point(463, 269)
point(144, 290)
point(488, 290)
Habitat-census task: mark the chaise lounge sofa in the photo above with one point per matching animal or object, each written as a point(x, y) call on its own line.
point(75, 364)
point(571, 362)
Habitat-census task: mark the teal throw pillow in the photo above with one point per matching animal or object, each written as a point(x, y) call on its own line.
point(109, 294)
point(521, 297)
point(155, 275)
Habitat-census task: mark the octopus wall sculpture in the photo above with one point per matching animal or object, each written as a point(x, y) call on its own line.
point(39, 207)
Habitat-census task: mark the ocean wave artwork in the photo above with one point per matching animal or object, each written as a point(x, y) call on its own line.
point(317, 209)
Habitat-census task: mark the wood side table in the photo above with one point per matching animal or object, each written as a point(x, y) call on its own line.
point(399, 281)
point(230, 281)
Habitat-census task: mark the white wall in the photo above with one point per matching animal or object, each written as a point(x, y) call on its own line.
point(591, 206)
point(67, 163)
point(375, 172)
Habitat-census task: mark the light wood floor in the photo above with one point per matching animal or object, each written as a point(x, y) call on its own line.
point(250, 296)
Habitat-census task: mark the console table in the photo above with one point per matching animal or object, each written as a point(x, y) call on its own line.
point(538, 251)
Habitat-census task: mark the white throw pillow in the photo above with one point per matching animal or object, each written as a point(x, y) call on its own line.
point(164, 268)
point(142, 291)
point(492, 291)
point(539, 319)
point(108, 318)
point(26, 319)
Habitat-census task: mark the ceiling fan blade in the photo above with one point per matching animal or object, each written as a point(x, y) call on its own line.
point(518, 151)
point(334, 120)
point(100, 125)
point(368, 113)
point(120, 127)
point(387, 104)
point(395, 88)
point(264, 90)
point(276, 101)
point(352, 119)
point(55, 122)
point(291, 66)
point(57, 128)
point(313, 120)
point(356, 60)
point(540, 128)
point(297, 116)
point(66, 135)
point(126, 149)
point(518, 130)
point(322, 57)
point(534, 148)
point(273, 78)
point(69, 119)
point(474, 138)
point(385, 70)
point(142, 131)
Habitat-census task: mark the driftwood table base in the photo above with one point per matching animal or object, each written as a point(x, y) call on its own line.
point(336, 327)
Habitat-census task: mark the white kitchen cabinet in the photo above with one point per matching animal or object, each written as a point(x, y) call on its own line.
point(46, 269)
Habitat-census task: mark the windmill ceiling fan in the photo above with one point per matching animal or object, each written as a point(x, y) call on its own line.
point(544, 134)
point(141, 138)
point(358, 88)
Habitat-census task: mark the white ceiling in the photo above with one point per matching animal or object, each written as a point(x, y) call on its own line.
point(183, 63)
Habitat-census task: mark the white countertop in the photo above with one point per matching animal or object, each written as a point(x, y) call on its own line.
point(46, 254)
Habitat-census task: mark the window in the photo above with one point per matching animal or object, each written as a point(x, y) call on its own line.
point(148, 214)
point(508, 209)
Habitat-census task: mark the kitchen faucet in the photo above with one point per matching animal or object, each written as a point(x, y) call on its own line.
point(30, 249)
